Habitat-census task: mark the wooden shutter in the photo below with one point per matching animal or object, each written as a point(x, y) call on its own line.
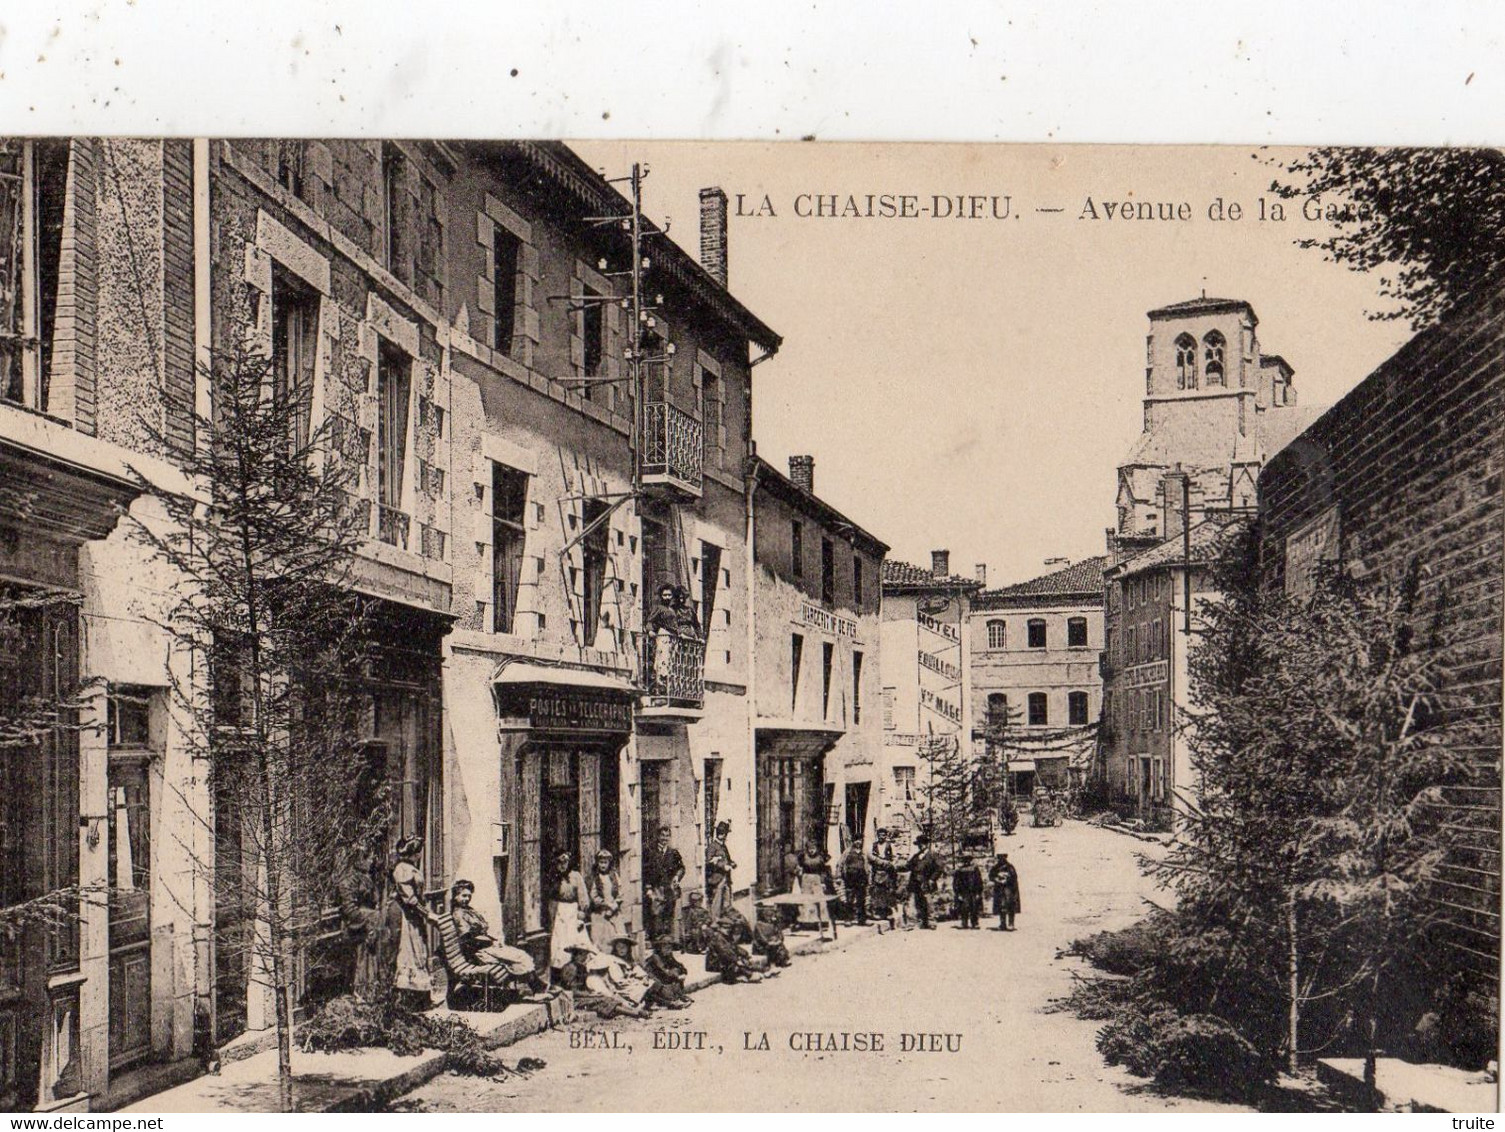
point(528, 820)
point(590, 807)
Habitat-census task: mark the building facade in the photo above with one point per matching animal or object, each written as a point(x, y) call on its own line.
point(817, 597)
point(1216, 407)
point(1035, 674)
point(528, 487)
point(927, 695)
point(1403, 476)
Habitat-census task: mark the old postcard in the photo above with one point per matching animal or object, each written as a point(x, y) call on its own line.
point(496, 626)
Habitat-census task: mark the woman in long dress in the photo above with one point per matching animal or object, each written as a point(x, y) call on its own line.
point(412, 972)
point(605, 889)
point(571, 909)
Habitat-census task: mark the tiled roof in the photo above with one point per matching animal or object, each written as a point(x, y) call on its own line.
point(1207, 541)
point(1204, 305)
point(1084, 577)
point(897, 574)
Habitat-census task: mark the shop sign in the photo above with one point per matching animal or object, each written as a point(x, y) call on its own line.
point(563, 710)
point(827, 621)
point(940, 628)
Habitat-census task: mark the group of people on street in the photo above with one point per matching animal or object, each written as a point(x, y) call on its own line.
point(872, 882)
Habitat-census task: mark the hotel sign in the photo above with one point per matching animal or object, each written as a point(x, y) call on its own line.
point(1147, 675)
point(827, 621)
point(940, 705)
point(940, 628)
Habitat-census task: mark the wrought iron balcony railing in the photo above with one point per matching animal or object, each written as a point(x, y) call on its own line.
point(673, 671)
point(673, 447)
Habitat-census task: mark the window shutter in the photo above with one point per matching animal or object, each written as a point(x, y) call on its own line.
point(590, 807)
point(528, 819)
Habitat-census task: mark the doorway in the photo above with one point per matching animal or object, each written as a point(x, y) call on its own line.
point(130, 910)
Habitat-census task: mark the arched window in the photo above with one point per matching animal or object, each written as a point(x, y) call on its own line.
point(998, 709)
point(1076, 708)
point(1212, 353)
point(1039, 715)
point(1186, 362)
point(997, 634)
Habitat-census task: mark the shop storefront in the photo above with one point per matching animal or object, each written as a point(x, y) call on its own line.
point(795, 803)
point(562, 733)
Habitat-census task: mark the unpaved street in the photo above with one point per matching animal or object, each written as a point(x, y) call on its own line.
point(982, 993)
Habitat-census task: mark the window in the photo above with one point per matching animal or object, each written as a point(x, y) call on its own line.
point(593, 549)
point(997, 634)
point(290, 165)
point(592, 335)
point(856, 688)
point(857, 580)
point(1039, 713)
point(1076, 632)
point(797, 548)
point(393, 176)
point(1037, 633)
point(394, 379)
point(888, 708)
point(130, 716)
point(1157, 640)
point(430, 242)
point(295, 326)
point(796, 654)
point(1186, 362)
point(827, 662)
point(713, 417)
point(33, 184)
point(998, 710)
point(904, 783)
point(509, 496)
point(710, 577)
point(827, 572)
point(507, 252)
point(1212, 356)
point(1132, 639)
point(1076, 709)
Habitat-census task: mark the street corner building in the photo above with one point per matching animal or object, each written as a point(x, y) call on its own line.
point(1035, 675)
point(551, 416)
point(817, 595)
point(927, 696)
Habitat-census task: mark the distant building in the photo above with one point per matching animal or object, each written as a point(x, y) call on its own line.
point(927, 700)
point(1034, 649)
point(817, 594)
point(1215, 409)
point(1404, 474)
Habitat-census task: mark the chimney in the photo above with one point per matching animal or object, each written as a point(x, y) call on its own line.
point(940, 563)
point(982, 573)
point(713, 233)
point(802, 472)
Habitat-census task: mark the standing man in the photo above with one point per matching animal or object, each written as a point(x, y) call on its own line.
point(884, 878)
point(1005, 880)
point(663, 870)
point(718, 872)
point(967, 885)
point(854, 877)
point(924, 871)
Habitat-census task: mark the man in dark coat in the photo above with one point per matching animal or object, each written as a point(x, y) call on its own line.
point(924, 871)
point(1005, 880)
point(967, 885)
point(663, 870)
point(718, 871)
point(854, 878)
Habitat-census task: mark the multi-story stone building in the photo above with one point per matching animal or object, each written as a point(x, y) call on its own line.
point(101, 296)
point(459, 316)
point(1216, 407)
point(1035, 679)
point(1403, 476)
point(927, 696)
point(817, 596)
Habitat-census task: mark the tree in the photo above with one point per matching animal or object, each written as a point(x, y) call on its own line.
point(1316, 733)
point(1430, 221)
point(274, 638)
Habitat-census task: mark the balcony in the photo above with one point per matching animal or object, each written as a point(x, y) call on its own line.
point(673, 449)
point(673, 675)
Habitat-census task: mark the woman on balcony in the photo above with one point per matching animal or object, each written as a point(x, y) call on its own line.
point(663, 626)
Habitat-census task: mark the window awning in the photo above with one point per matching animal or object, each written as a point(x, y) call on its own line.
point(517, 674)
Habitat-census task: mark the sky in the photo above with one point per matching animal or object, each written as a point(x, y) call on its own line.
point(972, 383)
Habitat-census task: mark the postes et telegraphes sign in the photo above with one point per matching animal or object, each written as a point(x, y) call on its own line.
point(568, 709)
